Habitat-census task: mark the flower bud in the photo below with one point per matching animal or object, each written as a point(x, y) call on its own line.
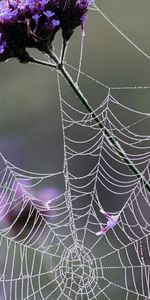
point(72, 13)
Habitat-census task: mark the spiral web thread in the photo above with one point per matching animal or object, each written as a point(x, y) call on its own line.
point(54, 253)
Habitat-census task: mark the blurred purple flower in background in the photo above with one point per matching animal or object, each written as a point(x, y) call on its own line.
point(47, 194)
point(27, 208)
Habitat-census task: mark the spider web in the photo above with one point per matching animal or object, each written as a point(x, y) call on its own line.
point(49, 249)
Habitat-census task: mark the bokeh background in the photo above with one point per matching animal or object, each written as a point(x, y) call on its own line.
point(30, 120)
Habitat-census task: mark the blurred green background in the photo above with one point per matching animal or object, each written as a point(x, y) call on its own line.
point(30, 120)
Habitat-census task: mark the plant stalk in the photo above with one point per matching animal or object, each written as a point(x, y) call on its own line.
point(119, 150)
point(113, 143)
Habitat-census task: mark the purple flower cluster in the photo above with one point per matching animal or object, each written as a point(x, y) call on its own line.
point(34, 23)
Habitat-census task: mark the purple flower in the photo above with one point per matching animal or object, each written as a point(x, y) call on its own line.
point(8, 16)
point(2, 44)
point(22, 25)
point(36, 19)
point(55, 22)
point(48, 14)
point(34, 23)
point(72, 14)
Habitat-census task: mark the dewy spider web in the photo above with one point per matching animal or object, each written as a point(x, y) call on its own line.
point(54, 253)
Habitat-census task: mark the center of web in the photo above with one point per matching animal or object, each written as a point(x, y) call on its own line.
point(77, 271)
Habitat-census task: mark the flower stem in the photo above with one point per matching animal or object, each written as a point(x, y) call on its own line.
point(111, 139)
point(40, 62)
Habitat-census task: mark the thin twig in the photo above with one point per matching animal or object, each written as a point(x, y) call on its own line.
point(41, 62)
